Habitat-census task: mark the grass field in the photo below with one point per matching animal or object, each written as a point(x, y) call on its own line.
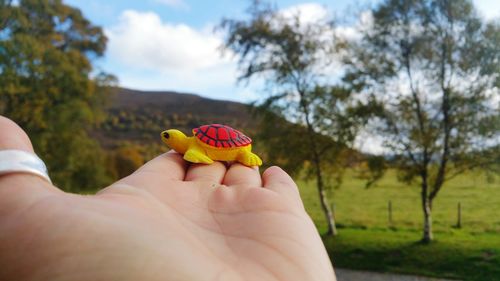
point(455, 254)
point(368, 241)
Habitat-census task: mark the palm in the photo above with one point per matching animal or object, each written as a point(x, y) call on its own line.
point(164, 222)
point(228, 232)
point(239, 231)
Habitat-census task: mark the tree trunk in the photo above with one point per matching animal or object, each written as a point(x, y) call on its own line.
point(427, 208)
point(316, 158)
point(332, 229)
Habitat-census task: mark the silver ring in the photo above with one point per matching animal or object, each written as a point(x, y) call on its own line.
point(19, 161)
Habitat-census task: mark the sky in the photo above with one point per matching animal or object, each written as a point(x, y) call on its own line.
point(171, 44)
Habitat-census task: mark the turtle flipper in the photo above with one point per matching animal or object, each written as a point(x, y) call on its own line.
point(197, 156)
point(248, 158)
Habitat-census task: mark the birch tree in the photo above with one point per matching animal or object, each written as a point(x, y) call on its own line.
point(433, 67)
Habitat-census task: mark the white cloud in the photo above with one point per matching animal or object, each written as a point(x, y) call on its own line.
point(143, 40)
point(489, 8)
point(307, 12)
point(215, 82)
point(354, 30)
point(174, 3)
point(150, 54)
point(370, 143)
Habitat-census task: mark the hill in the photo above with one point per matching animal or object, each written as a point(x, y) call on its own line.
point(135, 119)
point(139, 116)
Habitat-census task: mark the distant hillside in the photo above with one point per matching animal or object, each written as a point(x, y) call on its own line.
point(135, 119)
point(139, 116)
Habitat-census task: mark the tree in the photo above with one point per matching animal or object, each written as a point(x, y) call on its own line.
point(46, 49)
point(126, 159)
point(433, 68)
point(4, 13)
point(290, 56)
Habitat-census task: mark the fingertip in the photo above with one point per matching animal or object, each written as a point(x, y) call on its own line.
point(276, 175)
point(272, 170)
point(276, 179)
point(13, 136)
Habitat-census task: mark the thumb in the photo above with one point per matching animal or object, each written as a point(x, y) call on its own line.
point(19, 185)
point(13, 137)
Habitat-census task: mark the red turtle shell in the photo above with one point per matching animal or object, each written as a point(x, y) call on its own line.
point(221, 136)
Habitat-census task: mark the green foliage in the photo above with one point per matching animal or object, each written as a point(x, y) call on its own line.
point(291, 56)
point(372, 169)
point(5, 13)
point(432, 67)
point(286, 145)
point(45, 64)
point(125, 160)
point(446, 109)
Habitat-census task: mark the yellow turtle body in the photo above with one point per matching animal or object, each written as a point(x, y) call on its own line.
point(212, 142)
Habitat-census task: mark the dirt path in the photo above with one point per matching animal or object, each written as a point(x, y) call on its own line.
point(354, 275)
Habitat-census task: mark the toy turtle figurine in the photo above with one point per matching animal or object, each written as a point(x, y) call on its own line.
point(212, 142)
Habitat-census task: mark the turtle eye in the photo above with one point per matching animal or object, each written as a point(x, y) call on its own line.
point(166, 135)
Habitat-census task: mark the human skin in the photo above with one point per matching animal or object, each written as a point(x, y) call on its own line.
point(167, 221)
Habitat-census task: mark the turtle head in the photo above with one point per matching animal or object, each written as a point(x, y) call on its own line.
point(175, 139)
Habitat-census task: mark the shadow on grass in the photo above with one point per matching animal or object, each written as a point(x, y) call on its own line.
point(456, 256)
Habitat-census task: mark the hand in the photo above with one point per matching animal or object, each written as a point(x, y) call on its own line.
point(167, 221)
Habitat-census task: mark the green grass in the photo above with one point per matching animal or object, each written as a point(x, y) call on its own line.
point(453, 255)
point(367, 241)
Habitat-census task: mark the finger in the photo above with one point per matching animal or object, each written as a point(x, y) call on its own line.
point(169, 165)
point(19, 184)
point(239, 174)
point(274, 178)
point(13, 137)
point(210, 173)
point(155, 173)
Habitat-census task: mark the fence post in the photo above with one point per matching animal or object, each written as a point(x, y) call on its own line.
point(389, 209)
point(459, 215)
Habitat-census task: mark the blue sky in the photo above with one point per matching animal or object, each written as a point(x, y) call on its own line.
point(170, 44)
